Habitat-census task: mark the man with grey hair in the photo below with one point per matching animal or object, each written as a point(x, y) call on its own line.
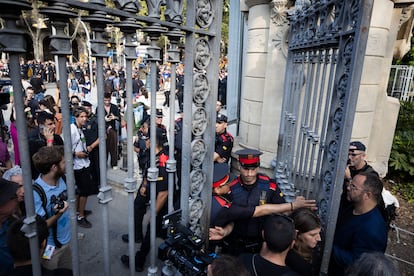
point(15, 174)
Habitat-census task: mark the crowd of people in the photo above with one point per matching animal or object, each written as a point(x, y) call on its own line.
point(252, 226)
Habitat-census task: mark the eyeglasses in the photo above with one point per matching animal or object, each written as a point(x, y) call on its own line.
point(354, 154)
point(353, 187)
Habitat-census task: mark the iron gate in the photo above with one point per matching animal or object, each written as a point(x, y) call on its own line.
point(326, 48)
point(200, 24)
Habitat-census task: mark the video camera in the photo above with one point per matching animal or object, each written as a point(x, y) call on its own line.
point(183, 248)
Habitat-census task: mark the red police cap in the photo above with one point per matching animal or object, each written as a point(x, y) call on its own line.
point(220, 174)
point(249, 157)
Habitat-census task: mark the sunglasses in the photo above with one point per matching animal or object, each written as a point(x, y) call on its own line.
point(354, 154)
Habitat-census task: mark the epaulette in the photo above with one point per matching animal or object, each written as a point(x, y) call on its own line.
point(263, 177)
point(235, 181)
point(272, 185)
point(223, 202)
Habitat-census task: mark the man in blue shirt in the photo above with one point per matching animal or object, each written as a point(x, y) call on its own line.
point(361, 227)
point(50, 162)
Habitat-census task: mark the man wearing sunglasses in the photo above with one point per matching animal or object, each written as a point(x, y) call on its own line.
point(356, 164)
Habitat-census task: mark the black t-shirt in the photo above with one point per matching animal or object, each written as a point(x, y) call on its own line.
point(258, 266)
point(90, 130)
point(300, 265)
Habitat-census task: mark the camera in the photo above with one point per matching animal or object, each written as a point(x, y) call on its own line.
point(59, 200)
point(183, 248)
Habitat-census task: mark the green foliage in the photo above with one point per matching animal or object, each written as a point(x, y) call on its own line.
point(401, 164)
point(406, 190)
point(225, 27)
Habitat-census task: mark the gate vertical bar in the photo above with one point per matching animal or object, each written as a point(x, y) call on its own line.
point(98, 20)
point(12, 42)
point(129, 27)
point(174, 58)
point(154, 31)
point(59, 14)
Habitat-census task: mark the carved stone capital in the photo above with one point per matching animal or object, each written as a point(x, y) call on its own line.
point(279, 12)
point(252, 3)
point(406, 14)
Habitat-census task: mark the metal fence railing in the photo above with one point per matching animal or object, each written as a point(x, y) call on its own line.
point(400, 84)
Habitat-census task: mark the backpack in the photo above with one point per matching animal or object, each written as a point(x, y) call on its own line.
point(39, 190)
point(109, 86)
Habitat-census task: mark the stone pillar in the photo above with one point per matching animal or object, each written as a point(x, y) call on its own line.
point(264, 73)
point(252, 96)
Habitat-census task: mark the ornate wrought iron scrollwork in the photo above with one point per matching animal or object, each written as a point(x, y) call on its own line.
point(201, 88)
point(202, 53)
point(154, 8)
point(204, 13)
point(199, 121)
point(197, 181)
point(195, 211)
point(198, 152)
point(174, 11)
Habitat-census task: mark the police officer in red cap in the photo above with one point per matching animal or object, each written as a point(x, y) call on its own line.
point(224, 212)
point(251, 188)
point(224, 140)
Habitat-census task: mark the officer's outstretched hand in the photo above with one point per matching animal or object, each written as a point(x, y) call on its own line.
point(301, 202)
point(217, 233)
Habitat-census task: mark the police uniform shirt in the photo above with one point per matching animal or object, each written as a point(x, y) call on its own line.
point(178, 128)
point(250, 195)
point(90, 130)
point(223, 211)
point(162, 181)
point(224, 145)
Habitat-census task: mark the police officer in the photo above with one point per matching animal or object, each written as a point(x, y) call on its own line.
point(90, 130)
point(158, 122)
point(178, 146)
point(224, 211)
point(224, 140)
point(141, 201)
point(251, 189)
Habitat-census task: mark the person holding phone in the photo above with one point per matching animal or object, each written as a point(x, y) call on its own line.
point(43, 135)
